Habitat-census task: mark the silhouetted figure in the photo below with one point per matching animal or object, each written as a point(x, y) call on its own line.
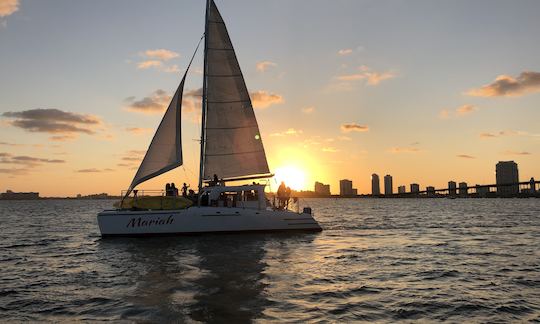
point(533, 185)
point(287, 196)
point(184, 190)
point(174, 190)
point(214, 181)
point(168, 191)
point(281, 192)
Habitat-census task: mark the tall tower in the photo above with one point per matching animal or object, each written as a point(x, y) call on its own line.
point(388, 188)
point(507, 176)
point(375, 188)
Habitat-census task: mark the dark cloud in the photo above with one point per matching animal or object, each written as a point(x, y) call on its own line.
point(465, 156)
point(504, 85)
point(517, 153)
point(354, 127)
point(93, 170)
point(14, 172)
point(53, 121)
point(155, 103)
point(27, 160)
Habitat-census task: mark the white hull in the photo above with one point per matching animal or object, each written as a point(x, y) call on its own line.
point(198, 220)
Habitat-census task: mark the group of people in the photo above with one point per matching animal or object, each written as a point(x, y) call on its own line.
point(283, 195)
point(172, 191)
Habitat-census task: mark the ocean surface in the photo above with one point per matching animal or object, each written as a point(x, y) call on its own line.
point(382, 260)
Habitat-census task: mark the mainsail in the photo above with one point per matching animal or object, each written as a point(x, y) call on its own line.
point(232, 145)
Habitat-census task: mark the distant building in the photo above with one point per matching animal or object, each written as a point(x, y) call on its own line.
point(354, 192)
point(375, 188)
point(532, 188)
point(462, 189)
point(430, 190)
point(345, 187)
point(388, 188)
point(415, 188)
point(10, 195)
point(401, 190)
point(452, 188)
point(322, 189)
point(506, 173)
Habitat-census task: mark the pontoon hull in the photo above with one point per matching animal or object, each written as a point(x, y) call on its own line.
point(198, 220)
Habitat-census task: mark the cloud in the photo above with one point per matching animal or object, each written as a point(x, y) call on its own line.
point(62, 138)
point(263, 99)
point(53, 121)
point(10, 144)
point(398, 150)
point(516, 153)
point(14, 172)
point(161, 54)
point(465, 110)
point(461, 111)
point(8, 7)
point(365, 73)
point(288, 132)
point(510, 132)
point(155, 103)
point(93, 170)
point(345, 51)
point(308, 110)
point(144, 65)
point(262, 66)
point(138, 130)
point(7, 158)
point(504, 85)
point(465, 156)
point(353, 127)
point(344, 138)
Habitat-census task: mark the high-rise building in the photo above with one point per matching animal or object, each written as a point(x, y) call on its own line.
point(375, 188)
point(401, 190)
point(388, 188)
point(415, 188)
point(462, 189)
point(322, 189)
point(452, 188)
point(345, 187)
point(507, 177)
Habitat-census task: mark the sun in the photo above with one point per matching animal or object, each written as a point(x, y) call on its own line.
point(292, 176)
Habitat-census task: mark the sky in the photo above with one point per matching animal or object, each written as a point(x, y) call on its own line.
point(426, 91)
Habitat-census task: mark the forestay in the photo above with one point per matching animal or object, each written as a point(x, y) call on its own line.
point(233, 147)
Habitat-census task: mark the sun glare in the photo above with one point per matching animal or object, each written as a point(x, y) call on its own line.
point(292, 176)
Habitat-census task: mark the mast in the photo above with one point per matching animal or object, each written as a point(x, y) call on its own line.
point(204, 95)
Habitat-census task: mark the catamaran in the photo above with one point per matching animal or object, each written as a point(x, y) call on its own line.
point(231, 147)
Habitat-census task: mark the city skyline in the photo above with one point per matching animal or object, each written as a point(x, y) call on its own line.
point(422, 92)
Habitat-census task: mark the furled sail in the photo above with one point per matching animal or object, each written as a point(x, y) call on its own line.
point(165, 150)
point(233, 147)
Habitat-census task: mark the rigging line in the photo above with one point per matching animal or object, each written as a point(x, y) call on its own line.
point(196, 49)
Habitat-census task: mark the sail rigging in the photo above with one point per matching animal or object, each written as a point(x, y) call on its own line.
point(231, 144)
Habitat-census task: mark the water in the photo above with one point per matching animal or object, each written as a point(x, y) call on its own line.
point(473, 260)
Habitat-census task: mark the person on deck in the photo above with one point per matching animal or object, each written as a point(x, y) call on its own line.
point(185, 190)
point(281, 192)
point(174, 190)
point(168, 189)
point(287, 196)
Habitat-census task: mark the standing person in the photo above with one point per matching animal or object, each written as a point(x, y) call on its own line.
point(168, 189)
point(174, 190)
point(287, 196)
point(281, 192)
point(184, 190)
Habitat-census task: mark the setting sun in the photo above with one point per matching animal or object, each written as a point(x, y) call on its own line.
point(292, 176)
